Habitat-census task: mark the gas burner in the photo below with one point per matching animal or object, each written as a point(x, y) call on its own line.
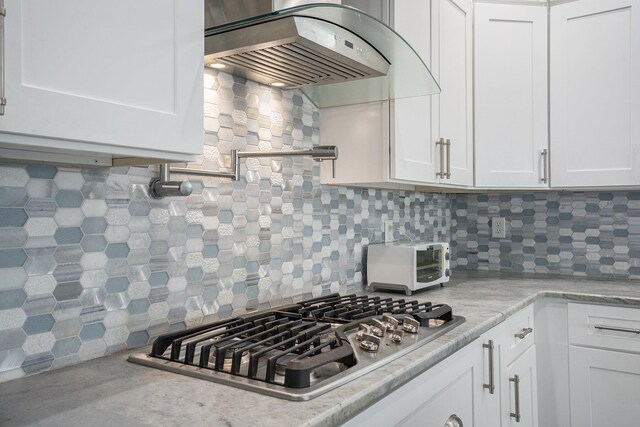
point(302, 350)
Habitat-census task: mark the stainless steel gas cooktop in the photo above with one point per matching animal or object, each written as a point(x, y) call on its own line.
point(300, 351)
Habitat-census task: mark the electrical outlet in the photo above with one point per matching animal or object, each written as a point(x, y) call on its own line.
point(388, 231)
point(498, 228)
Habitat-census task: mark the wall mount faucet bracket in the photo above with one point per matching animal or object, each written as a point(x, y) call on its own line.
point(162, 186)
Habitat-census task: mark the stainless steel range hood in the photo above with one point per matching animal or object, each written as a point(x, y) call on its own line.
point(335, 54)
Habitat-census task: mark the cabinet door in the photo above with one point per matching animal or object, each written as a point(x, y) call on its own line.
point(452, 67)
point(432, 397)
point(412, 153)
point(595, 93)
point(510, 86)
point(604, 388)
point(105, 76)
point(487, 399)
point(519, 393)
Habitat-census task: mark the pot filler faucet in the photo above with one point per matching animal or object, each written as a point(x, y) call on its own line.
point(162, 186)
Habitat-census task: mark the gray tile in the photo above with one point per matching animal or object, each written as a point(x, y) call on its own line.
point(68, 236)
point(12, 217)
point(94, 225)
point(137, 339)
point(12, 298)
point(93, 243)
point(12, 257)
point(11, 338)
point(66, 347)
point(117, 284)
point(13, 196)
point(41, 208)
point(38, 324)
point(138, 306)
point(139, 208)
point(67, 291)
point(37, 363)
point(68, 254)
point(67, 272)
point(67, 328)
point(41, 171)
point(39, 304)
point(159, 278)
point(117, 250)
point(13, 238)
point(92, 332)
point(69, 198)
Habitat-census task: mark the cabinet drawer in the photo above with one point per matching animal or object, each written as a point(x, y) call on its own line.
point(615, 328)
point(517, 334)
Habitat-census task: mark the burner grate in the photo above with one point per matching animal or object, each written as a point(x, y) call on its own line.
point(292, 346)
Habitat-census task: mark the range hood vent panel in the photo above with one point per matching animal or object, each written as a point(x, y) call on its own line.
point(294, 52)
point(335, 54)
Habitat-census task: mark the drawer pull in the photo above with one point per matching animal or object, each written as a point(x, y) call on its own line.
point(523, 333)
point(516, 381)
point(617, 328)
point(491, 386)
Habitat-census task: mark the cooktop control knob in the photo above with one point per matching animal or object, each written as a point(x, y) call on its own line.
point(370, 343)
point(389, 321)
point(410, 325)
point(378, 328)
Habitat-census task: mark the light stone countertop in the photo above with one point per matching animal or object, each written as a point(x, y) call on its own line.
point(113, 392)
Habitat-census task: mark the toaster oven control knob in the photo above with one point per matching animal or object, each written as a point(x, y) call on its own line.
point(447, 272)
point(447, 256)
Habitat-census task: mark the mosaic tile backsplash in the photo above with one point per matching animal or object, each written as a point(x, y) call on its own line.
point(594, 234)
point(89, 265)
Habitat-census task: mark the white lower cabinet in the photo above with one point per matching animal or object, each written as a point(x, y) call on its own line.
point(581, 369)
point(519, 391)
point(509, 370)
point(444, 391)
point(605, 388)
point(471, 386)
point(604, 366)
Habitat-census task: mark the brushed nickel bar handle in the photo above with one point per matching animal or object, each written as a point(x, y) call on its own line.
point(3, 100)
point(491, 386)
point(617, 328)
point(545, 166)
point(523, 333)
point(516, 381)
point(448, 146)
point(440, 143)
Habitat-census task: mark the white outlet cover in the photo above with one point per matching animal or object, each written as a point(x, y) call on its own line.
point(498, 228)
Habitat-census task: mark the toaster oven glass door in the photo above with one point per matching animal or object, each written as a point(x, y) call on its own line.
point(429, 264)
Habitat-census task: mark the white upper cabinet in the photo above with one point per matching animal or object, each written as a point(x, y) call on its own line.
point(595, 93)
point(103, 79)
point(413, 151)
point(452, 66)
point(511, 126)
point(396, 143)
